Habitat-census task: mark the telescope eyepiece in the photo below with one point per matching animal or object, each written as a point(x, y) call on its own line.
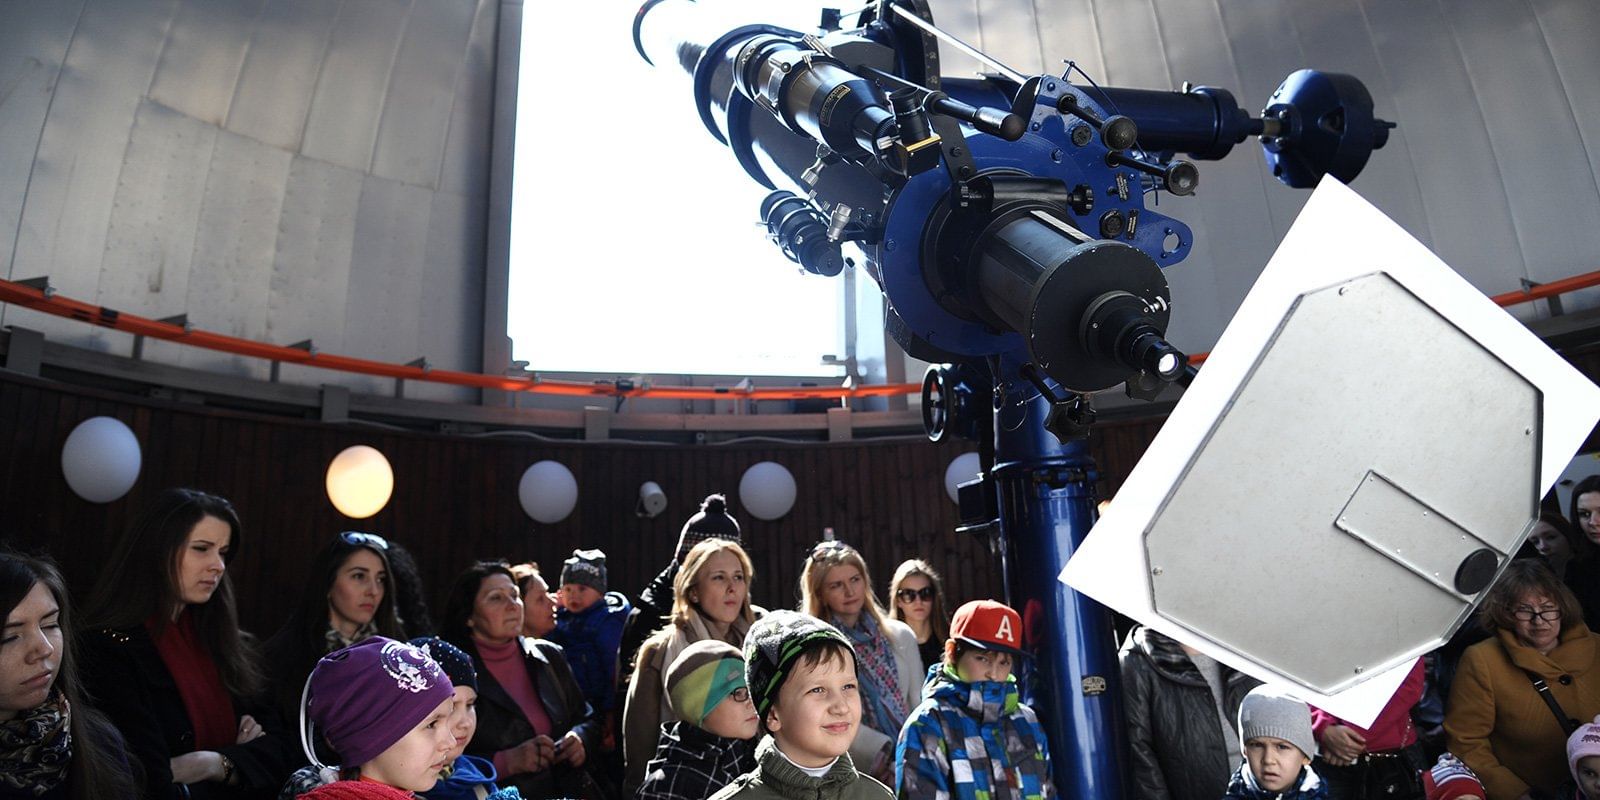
point(801, 233)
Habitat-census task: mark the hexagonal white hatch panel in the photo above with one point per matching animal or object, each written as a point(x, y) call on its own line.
point(1336, 470)
point(1364, 448)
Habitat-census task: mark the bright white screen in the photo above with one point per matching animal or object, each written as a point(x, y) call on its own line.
point(635, 243)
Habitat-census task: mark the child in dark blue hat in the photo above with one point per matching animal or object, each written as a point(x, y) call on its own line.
point(466, 777)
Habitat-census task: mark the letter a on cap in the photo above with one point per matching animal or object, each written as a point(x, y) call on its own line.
point(1004, 631)
point(988, 625)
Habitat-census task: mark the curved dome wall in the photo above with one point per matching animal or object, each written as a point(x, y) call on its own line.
point(1493, 166)
point(304, 169)
point(281, 170)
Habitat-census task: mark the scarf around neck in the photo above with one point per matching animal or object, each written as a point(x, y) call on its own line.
point(693, 630)
point(36, 747)
point(882, 707)
point(333, 640)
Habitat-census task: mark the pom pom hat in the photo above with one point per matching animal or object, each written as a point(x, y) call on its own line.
point(712, 522)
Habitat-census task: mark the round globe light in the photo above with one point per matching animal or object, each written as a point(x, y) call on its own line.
point(101, 459)
point(962, 468)
point(767, 490)
point(360, 481)
point(548, 492)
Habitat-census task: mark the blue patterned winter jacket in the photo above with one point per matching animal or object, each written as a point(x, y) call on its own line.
point(971, 741)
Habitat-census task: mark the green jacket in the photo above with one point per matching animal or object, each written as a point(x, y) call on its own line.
point(777, 778)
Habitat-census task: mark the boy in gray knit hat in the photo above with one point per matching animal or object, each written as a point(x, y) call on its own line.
point(801, 674)
point(1275, 735)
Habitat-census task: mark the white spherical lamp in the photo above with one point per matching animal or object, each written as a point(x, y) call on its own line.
point(360, 481)
point(548, 492)
point(962, 468)
point(101, 459)
point(767, 490)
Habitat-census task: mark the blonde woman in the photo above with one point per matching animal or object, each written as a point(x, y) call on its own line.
point(918, 596)
point(835, 587)
point(710, 600)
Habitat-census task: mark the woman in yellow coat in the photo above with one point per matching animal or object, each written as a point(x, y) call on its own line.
point(1497, 722)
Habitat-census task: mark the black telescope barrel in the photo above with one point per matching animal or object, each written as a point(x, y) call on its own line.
point(1205, 123)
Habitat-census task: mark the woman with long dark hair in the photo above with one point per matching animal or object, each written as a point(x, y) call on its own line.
point(1584, 510)
point(1572, 557)
point(165, 659)
point(918, 596)
point(533, 722)
point(54, 745)
point(349, 597)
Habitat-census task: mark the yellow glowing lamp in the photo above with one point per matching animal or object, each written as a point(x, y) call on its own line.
point(360, 481)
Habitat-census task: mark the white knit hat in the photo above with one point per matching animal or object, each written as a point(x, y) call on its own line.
point(1268, 711)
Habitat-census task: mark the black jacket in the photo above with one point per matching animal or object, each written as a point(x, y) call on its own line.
point(1174, 736)
point(125, 675)
point(502, 725)
point(692, 763)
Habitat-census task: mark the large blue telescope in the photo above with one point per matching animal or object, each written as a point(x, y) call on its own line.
point(1005, 219)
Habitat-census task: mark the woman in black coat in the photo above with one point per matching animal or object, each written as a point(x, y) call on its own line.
point(164, 657)
point(1184, 742)
point(541, 744)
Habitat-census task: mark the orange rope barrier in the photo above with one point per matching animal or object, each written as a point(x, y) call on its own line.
point(51, 303)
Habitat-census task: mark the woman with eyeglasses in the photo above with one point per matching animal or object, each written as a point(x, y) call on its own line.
point(347, 597)
point(54, 745)
point(711, 602)
point(1517, 694)
point(166, 661)
point(835, 587)
point(918, 595)
point(533, 722)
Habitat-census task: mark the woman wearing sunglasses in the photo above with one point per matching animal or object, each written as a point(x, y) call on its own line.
point(710, 602)
point(1517, 694)
point(348, 597)
point(918, 595)
point(165, 659)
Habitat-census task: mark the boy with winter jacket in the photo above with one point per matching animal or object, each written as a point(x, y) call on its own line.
point(1275, 736)
point(589, 626)
point(709, 745)
point(971, 738)
point(801, 672)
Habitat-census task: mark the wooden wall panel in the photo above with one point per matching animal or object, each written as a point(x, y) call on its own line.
point(455, 496)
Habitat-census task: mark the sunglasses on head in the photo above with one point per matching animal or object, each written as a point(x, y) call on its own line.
point(826, 548)
point(360, 539)
point(913, 595)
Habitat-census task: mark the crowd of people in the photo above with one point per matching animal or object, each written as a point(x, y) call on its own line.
point(523, 687)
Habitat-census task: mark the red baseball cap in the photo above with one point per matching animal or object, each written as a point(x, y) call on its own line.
point(988, 625)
